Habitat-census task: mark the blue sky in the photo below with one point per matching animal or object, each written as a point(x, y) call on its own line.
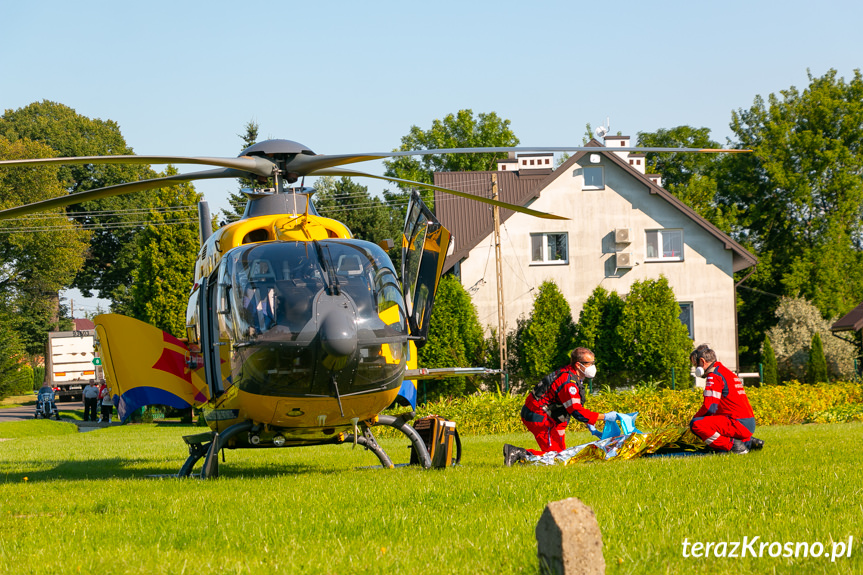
point(183, 78)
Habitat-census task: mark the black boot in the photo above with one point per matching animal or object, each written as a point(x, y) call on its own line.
point(511, 454)
point(739, 448)
point(754, 444)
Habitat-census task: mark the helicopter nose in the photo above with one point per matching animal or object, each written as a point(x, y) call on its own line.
point(339, 335)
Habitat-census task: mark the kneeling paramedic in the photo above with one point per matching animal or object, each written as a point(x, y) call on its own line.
point(559, 396)
point(725, 421)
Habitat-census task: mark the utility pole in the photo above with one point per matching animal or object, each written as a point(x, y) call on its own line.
point(498, 265)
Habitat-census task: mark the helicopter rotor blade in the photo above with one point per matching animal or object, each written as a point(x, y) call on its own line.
point(251, 164)
point(117, 190)
point(305, 165)
point(513, 207)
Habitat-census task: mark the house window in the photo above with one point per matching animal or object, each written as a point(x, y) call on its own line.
point(686, 317)
point(593, 178)
point(664, 246)
point(549, 248)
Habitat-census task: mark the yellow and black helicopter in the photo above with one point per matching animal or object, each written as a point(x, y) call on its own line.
point(297, 333)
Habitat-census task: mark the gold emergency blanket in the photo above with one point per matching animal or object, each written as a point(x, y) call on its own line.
point(669, 442)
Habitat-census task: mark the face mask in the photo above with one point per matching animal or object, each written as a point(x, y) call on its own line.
point(699, 371)
point(590, 371)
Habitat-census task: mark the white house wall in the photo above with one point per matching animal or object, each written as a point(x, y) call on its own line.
point(704, 278)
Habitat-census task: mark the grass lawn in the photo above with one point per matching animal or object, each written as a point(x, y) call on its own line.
point(83, 503)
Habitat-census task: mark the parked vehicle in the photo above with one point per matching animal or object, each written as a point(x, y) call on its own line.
point(69, 364)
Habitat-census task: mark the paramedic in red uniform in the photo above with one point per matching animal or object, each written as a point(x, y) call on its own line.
point(725, 421)
point(559, 396)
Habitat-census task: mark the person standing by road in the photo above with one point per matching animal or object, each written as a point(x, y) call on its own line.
point(91, 398)
point(725, 421)
point(107, 404)
point(549, 406)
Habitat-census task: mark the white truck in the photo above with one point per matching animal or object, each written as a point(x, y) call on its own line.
point(69, 364)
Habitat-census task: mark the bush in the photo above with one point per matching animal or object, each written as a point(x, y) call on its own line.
point(455, 338)
point(15, 374)
point(791, 338)
point(38, 376)
point(654, 340)
point(817, 370)
point(793, 403)
point(768, 359)
point(548, 336)
point(597, 330)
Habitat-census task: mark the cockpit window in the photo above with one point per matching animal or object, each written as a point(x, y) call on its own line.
point(272, 287)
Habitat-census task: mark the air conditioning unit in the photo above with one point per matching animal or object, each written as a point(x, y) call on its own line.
point(623, 235)
point(624, 260)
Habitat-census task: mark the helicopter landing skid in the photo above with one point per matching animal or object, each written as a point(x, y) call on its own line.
point(399, 422)
point(209, 444)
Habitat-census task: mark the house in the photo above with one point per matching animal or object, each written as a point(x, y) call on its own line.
point(623, 227)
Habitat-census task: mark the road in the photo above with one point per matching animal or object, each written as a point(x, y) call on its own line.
point(27, 411)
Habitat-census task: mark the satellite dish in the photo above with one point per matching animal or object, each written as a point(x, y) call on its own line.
point(601, 131)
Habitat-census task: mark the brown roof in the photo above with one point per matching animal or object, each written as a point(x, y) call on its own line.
point(83, 324)
point(852, 321)
point(470, 222)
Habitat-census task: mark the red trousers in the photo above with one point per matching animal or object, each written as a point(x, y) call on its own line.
point(550, 434)
point(719, 431)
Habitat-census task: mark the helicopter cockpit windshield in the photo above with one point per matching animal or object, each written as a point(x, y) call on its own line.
point(271, 288)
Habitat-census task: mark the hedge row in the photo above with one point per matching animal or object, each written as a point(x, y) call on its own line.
point(793, 403)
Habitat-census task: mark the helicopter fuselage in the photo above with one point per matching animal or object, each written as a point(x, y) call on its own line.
point(306, 327)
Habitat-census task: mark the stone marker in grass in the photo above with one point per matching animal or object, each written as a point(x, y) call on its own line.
point(568, 539)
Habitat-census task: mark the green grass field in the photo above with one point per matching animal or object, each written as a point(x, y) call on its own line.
point(83, 502)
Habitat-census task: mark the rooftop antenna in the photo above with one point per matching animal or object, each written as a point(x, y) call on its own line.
point(601, 131)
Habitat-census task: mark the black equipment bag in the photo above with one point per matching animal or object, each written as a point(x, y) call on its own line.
point(441, 440)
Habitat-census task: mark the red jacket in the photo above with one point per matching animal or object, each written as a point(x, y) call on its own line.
point(724, 395)
point(559, 395)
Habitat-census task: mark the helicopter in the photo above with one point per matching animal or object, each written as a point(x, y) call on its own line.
point(297, 333)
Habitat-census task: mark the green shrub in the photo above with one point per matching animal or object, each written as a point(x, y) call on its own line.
point(793, 403)
point(817, 369)
point(655, 341)
point(768, 359)
point(38, 376)
point(455, 338)
point(549, 335)
point(791, 339)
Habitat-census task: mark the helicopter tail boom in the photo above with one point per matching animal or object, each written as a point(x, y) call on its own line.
point(145, 366)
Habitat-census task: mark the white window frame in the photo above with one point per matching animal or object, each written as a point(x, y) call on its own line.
point(691, 325)
point(601, 171)
point(660, 257)
point(544, 249)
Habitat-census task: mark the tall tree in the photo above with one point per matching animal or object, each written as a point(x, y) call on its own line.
point(455, 338)
point(111, 256)
point(656, 339)
point(690, 177)
point(816, 371)
point(369, 218)
point(549, 335)
point(597, 330)
point(768, 360)
point(791, 338)
point(460, 130)
point(798, 197)
point(39, 254)
point(168, 247)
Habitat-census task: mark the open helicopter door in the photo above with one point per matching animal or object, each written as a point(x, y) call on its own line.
point(209, 335)
point(424, 248)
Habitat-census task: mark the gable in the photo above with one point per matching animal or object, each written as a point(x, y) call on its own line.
point(471, 222)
